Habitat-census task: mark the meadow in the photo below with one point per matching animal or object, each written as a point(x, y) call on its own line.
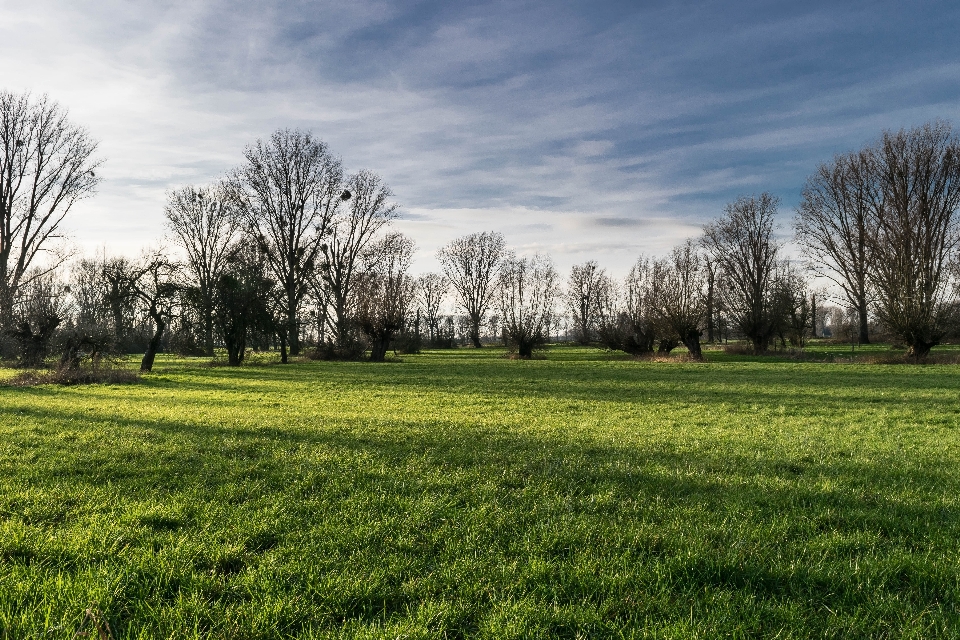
point(461, 494)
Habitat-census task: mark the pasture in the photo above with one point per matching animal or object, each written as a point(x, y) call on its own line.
point(460, 494)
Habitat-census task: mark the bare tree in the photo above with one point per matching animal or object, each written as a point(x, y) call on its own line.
point(386, 291)
point(431, 290)
point(584, 288)
point(679, 300)
point(90, 292)
point(40, 308)
point(205, 225)
point(353, 230)
point(119, 298)
point(741, 244)
point(528, 290)
point(46, 166)
point(242, 296)
point(833, 226)
point(792, 306)
point(471, 264)
point(153, 283)
point(639, 330)
point(288, 189)
point(916, 233)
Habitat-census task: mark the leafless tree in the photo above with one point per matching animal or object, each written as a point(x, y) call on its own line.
point(679, 299)
point(385, 292)
point(288, 190)
point(625, 319)
point(431, 290)
point(153, 283)
point(242, 299)
point(609, 313)
point(90, 292)
point(353, 230)
point(204, 224)
point(584, 288)
point(916, 233)
point(471, 265)
point(528, 290)
point(742, 245)
point(40, 308)
point(46, 166)
point(119, 298)
point(792, 305)
point(833, 226)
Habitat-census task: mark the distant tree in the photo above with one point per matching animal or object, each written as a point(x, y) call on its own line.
point(625, 319)
point(471, 265)
point(833, 226)
point(386, 292)
point(40, 308)
point(916, 233)
point(242, 293)
point(89, 333)
point(528, 290)
point(46, 166)
point(354, 229)
point(679, 300)
point(90, 292)
point(639, 329)
point(431, 290)
point(204, 224)
point(584, 288)
point(742, 245)
point(791, 305)
point(153, 282)
point(288, 190)
point(609, 314)
point(120, 298)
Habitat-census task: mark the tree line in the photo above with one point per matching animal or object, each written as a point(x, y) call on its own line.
point(289, 251)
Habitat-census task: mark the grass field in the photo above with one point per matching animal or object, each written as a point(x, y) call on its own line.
point(460, 494)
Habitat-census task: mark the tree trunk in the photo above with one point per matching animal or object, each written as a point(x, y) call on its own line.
point(525, 349)
point(117, 311)
point(692, 342)
point(378, 348)
point(921, 349)
point(710, 331)
point(759, 346)
point(208, 331)
point(666, 346)
point(153, 346)
point(813, 315)
point(862, 313)
point(475, 331)
point(235, 351)
point(283, 347)
point(293, 333)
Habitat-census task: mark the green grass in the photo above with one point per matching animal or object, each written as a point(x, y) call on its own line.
point(460, 494)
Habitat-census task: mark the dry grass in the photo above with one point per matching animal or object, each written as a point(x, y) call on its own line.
point(67, 376)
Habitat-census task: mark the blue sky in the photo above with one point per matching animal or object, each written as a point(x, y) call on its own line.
point(587, 130)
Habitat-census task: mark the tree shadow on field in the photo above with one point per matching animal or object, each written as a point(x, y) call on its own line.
point(528, 514)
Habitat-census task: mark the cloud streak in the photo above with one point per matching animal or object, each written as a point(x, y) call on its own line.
point(564, 125)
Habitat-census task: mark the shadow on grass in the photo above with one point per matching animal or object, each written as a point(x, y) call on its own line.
point(478, 518)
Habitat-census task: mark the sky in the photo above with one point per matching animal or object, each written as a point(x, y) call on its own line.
point(586, 130)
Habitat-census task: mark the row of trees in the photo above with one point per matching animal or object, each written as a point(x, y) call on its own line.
point(288, 247)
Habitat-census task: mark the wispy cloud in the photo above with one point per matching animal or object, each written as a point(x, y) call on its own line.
point(568, 126)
